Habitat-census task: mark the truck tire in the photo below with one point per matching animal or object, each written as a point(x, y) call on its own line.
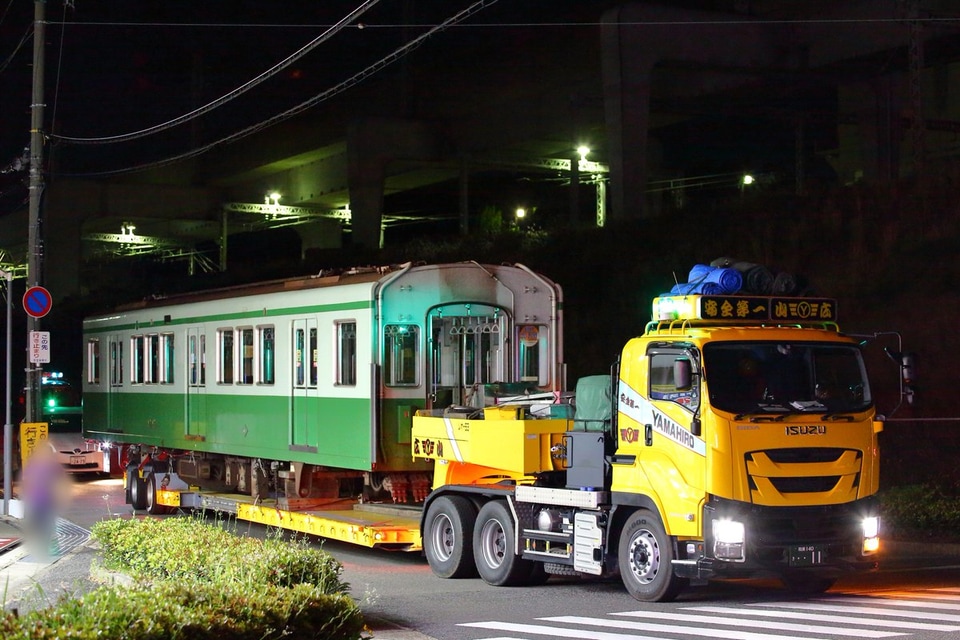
point(493, 544)
point(137, 488)
point(448, 537)
point(646, 560)
point(151, 505)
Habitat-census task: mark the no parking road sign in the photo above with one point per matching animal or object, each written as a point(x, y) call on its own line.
point(37, 302)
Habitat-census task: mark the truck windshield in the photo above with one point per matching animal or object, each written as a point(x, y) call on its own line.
point(785, 377)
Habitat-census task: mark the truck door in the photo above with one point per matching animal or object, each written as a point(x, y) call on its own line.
point(467, 351)
point(196, 400)
point(304, 411)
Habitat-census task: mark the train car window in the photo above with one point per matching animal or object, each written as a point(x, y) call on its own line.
point(116, 363)
point(346, 371)
point(246, 356)
point(152, 367)
point(203, 359)
point(313, 356)
point(166, 358)
point(299, 364)
point(401, 354)
point(137, 359)
point(225, 356)
point(267, 355)
point(93, 361)
point(197, 359)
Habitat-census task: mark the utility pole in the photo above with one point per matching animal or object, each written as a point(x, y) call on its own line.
point(35, 236)
point(7, 427)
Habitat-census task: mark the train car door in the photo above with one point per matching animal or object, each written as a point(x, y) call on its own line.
point(467, 351)
point(196, 396)
point(304, 405)
point(114, 381)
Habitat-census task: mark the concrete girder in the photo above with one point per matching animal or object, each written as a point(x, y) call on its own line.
point(638, 37)
point(372, 145)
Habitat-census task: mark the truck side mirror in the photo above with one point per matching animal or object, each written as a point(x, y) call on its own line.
point(682, 374)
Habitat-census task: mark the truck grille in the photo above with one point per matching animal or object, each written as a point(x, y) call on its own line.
point(817, 475)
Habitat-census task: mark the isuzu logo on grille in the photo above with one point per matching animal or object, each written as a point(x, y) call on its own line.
point(805, 429)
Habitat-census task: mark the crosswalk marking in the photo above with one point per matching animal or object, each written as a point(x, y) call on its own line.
point(897, 602)
point(555, 632)
point(873, 611)
point(710, 632)
point(825, 617)
point(758, 624)
point(868, 616)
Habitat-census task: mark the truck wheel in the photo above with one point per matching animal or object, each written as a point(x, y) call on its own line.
point(493, 544)
point(151, 505)
point(137, 488)
point(448, 537)
point(646, 555)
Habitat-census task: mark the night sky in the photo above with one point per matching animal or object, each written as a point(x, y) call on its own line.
point(113, 68)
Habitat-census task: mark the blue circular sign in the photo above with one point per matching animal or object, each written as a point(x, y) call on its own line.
point(37, 302)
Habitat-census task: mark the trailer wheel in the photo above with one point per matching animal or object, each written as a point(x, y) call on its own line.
point(493, 544)
point(646, 555)
point(137, 488)
point(151, 505)
point(448, 537)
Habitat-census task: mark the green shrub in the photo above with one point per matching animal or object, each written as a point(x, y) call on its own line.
point(196, 581)
point(930, 510)
point(190, 549)
point(169, 610)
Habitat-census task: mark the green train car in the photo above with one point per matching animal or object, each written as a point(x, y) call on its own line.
point(304, 389)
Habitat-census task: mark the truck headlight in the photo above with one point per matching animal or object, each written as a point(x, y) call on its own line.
point(728, 538)
point(871, 535)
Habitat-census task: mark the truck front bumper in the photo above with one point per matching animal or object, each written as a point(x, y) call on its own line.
point(828, 541)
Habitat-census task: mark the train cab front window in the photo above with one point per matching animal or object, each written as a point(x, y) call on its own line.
point(401, 354)
point(534, 363)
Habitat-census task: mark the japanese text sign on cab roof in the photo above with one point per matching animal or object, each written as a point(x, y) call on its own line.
point(757, 308)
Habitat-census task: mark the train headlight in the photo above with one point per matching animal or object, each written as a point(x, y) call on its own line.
point(728, 540)
point(871, 535)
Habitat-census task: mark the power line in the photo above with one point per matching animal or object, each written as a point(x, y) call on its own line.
point(269, 73)
point(26, 36)
point(317, 99)
point(525, 25)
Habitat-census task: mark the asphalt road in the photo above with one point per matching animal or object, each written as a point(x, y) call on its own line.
point(915, 595)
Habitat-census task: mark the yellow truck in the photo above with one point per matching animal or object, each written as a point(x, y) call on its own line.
point(737, 437)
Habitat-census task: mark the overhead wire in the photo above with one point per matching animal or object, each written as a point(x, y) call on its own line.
point(26, 36)
point(56, 85)
point(357, 78)
point(210, 106)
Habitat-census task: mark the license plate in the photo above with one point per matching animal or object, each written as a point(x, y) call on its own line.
point(806, 555)
point(78, 460)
